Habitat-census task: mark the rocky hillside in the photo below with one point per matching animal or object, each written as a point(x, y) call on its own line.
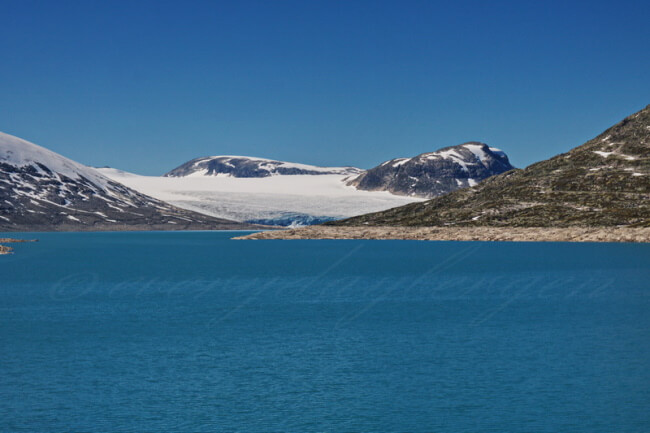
point(243, 166)
point(43, 191)
point(435, 173)
point(604, 182)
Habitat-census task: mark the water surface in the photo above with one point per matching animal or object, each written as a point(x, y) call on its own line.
point(194, 332)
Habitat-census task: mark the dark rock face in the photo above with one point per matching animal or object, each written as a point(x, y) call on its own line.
point(436, 173)
point(35, 197)
point(239, 166)
point(604, 182)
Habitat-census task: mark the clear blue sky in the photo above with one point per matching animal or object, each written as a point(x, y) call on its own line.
point(145, 86)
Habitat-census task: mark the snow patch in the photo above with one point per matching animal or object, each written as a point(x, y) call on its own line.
point(400, 161)
point(497, 151)
point(478, 152)
point(454, 156)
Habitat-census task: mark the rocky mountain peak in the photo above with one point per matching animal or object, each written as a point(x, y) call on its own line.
point(436, 173)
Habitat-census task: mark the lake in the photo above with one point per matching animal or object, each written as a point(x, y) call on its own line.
point(194, 332)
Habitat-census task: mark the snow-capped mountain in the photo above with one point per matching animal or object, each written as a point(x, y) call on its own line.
point(42, 190)
point(243, 166)
point(435, 173)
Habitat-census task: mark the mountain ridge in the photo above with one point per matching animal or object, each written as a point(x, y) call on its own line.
point(247, 166)
point(603, 182)
point(41, 190)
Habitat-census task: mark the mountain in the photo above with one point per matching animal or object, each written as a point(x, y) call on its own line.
point(271, 192)
point(42, 191)
point(435, 173)
point(243, 166)
point(604, 182)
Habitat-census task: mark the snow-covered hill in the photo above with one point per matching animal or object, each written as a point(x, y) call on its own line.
point(279, 199)
point(42, 190)
point(244, 166)
point(435, 173)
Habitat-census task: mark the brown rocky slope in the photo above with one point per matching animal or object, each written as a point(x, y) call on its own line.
point(603, 183)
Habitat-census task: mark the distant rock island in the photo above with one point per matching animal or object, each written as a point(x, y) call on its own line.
point(7, 250)
point(602, 186)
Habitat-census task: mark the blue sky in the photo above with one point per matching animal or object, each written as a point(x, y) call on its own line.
point(145, 86)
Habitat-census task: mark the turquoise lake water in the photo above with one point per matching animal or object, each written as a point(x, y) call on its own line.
point(193, 332)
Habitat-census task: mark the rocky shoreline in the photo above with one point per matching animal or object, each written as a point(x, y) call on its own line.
point(8, 250)
point(513, 234)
